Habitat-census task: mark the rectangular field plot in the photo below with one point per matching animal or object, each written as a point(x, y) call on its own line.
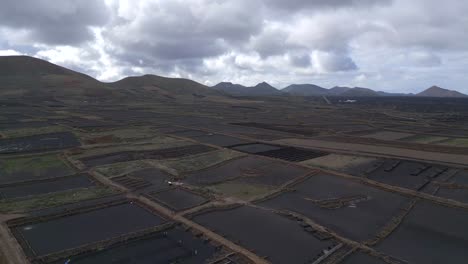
point(84, 228)
point(148, 154)
point(169, 246)
point(293, 154)
point(189, 133)
point(178, 199)
point(457, 142)
point(219, 140)
point(256, 148)
point(158, 179)
point(47, 201)
point(430, 226)
point(457, 194)
point(31, 131)
point(278, 238)
point(388, 135)
point(88, 123)
point(184, 165)
point(44, 142)
point(362, 258)
point(131, 183)
point(355, 165)
point(45, 186)
point(279, 152)
point(251, 169)
point(407, 174)
point(461, 177)
point(456, 188)
point(241, 190)
point(21, 125)
point(32, 168)
point(424, 139)
point(354, 210)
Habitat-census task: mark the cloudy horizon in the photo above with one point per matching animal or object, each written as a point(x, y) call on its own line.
point(387, 45)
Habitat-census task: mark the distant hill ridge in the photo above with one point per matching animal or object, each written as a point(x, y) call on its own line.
point(261, 89)
point(29, 76)
point(167, 86)
point(24, 75)
point(315, 90)
point(436, 91)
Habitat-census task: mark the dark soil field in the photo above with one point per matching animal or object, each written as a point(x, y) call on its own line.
point(13, 124)
point(234, 129)
point(252, 169)
point(365, 169)
point(190, 133)
point(44, 142)
point(354, 210)
point(398, 144)
point(293, 154)
point(430, 234)
point(45, 186)
point(256, 148)
point(301, 130)
point(407, 174)
point(87, 123)
point(279, 152)
point(178, 199)
point(279, 239)
point(148, 154)
point(361, 258)
point(77, 230)
point(457, 188)
point(461, 177)
point(156, 177)
point(457, 194)
point(131, 182)
point(219, 140)
point(168, 246)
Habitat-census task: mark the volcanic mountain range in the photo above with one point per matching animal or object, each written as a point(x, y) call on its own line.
point(23, 75)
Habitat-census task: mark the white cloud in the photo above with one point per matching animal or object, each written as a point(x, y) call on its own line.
point(9, 52)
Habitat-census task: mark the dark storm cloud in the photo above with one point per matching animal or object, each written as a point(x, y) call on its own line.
point(334, 62)
point(271, 42)
point(176, 32)
point(176, 49)
point(424, 59)
point(54, 22)
point(302, 61)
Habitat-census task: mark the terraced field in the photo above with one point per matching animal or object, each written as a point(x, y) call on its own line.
point(253, 181)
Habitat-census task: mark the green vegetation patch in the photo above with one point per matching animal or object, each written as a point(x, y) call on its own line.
point(175, 167)
point(196, 162)
point(338, 162)
point(30, 131)
point(424, 139)
point(122, 168)
point(53, 199)
point(159, 142)
point(36, 165)
point(455, 142)
point(243, 191)
point(120, 135)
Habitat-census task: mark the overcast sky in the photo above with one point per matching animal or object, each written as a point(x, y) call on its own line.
point(389, 45)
